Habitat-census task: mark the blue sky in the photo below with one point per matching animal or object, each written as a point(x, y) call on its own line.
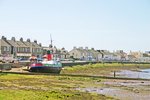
point(102, 24)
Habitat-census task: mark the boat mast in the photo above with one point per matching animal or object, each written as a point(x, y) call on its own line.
point(51, 41)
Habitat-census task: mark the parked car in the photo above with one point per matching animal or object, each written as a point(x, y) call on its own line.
point(23, 59)
point(39, 59)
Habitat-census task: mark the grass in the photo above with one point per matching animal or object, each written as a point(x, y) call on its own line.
point(102, 69)
point(32, 95)
point(46, 87)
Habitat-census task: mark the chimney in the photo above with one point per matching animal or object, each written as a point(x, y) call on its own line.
point(63, 48)
point(35, 41)
point(50, 46)
point(86, 48)
point(40, 44)
point(92, 48)
point(28, 40)
point(74, 47)
point(55, 47)
point(4, 38)
point(13, 39)
point(21, 39)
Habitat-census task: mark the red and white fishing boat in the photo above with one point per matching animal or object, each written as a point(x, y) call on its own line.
point(48, 64)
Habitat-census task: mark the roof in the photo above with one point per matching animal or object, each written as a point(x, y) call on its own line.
point(145, 55)
point(28, 44)
point(86, 51)
point(105, 52)
point(21, 44)
point(35, 45)
point(4, 43)
point(13, 43)
point(131, 56)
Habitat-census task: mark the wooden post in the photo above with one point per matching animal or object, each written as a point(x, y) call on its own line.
point(114, 74)
point(1, 67)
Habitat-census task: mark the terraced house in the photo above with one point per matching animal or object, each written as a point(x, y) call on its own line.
point(85, 54)
point(23, 49)
point(36, 49)
point(5, 47)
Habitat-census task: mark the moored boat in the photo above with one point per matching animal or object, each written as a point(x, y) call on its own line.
point(48, 65)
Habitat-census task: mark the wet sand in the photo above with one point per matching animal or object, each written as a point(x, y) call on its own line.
point(122, 89)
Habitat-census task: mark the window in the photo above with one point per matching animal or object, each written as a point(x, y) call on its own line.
point(39, 50)
point(8, 48)
point(23, 49)
point(18, 49)
point(28, 49)
point(5, 48)
point(33, 50)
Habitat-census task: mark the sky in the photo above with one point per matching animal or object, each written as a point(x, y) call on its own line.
point(100, 24)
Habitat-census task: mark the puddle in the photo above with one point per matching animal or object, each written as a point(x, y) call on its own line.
point(143, 74)
point(134, 89)
point(116, 93)
point(146, 71)
point(99, 90)
point(128, 83)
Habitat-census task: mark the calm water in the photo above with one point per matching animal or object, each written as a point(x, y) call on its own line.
point(144, 74)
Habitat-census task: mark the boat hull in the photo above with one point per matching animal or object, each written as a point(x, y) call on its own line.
point(46, 69)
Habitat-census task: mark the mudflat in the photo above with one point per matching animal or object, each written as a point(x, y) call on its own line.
point(71, 84)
